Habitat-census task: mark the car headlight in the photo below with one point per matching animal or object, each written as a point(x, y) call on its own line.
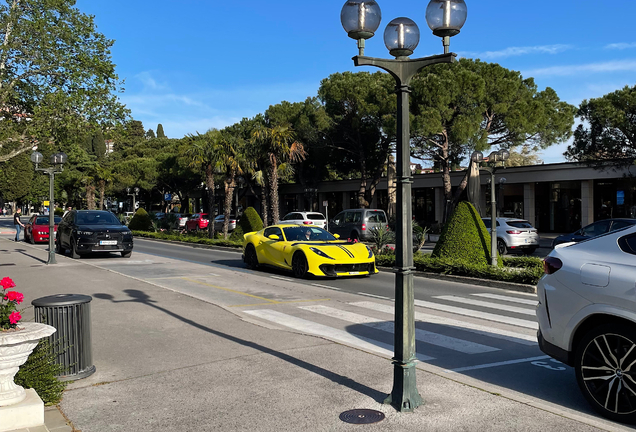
point(319, 252)
point(370, 252)
point(85, 233)
point(43, 232)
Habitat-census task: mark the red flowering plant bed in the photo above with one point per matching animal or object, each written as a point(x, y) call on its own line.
point(9, 300)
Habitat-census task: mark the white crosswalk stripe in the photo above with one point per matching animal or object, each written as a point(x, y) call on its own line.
point(507, 298)
point(428, 337)
point(327, 332)
point(493, 332)
point(478, 314)
point(489, 305)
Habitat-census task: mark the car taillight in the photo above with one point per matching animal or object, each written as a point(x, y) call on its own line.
point(513, 232)
point(364, 227)
point(551, 265)
point(232, 221)
point(306, 222)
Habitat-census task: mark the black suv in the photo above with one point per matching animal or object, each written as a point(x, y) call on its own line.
point(86, 231)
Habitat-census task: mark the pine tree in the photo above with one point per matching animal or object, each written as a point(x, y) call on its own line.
point(99, 145)
point(150, 134)
point(160, 133)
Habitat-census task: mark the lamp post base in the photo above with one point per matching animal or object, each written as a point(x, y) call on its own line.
point(404, 397)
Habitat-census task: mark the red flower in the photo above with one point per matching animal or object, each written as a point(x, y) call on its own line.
point(7, 283)
point(15, 317)
point(14, 296)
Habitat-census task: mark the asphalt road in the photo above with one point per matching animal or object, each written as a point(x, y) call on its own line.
point(480, 336)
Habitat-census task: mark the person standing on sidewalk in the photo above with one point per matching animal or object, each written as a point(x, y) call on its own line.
point(17, 223)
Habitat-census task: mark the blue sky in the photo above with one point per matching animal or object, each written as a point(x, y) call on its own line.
point(196, 64)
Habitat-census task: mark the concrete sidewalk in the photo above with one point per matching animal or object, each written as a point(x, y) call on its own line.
point(170, 362)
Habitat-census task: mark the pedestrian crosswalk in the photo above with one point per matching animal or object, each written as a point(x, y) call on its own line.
point(471, 329)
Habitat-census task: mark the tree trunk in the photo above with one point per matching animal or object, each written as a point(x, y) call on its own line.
point(102, 189)
point(209, 182)
point(227, 205)
point(264, 208)
point(90, 196)
point(273, 188)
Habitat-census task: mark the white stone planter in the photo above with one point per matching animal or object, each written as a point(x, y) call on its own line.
point(433, 238)
point(15, 348)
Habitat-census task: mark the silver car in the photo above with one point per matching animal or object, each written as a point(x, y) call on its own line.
point(220, 219)
point(587, 318)
point(514, 235)
point(305, 218)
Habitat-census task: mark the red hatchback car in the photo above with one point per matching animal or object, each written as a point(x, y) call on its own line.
point(36, 230)
point(197, 222)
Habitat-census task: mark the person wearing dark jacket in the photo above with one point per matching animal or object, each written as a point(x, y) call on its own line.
point(16, 222)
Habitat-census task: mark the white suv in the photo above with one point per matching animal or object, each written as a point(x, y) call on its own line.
point(305, 218)
point(587, 318)
point(514, 234)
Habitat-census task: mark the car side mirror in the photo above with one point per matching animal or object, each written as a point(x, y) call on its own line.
point(337, 236)
point(273, 237)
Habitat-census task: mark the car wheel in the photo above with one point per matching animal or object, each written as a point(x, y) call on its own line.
point(251, 259)
point(74, 253)
point(501, 247)
point(604, 366)
point(58, 247)
point(31, 239)
point(126, 254)
point(299, 265)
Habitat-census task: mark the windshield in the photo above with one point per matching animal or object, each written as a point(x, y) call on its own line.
point(315, 216)
point(519, 224)
point(44, 220)
point(96, 218)
point(298, 233)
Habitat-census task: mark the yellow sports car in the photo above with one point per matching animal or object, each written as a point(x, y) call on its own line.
point(307, 250)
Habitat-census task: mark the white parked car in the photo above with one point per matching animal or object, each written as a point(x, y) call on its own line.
point(305, 218)
point(514, 235)
point(587, 318)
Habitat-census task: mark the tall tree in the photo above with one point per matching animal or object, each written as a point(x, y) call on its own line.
point(160, 133)
point(607, 130)
point(99, 145)
point(150, 134)
point(56, 71)
point(473, 105)
point(16, 177)
point(203, 152)
point(280, 146)
point(362, 107)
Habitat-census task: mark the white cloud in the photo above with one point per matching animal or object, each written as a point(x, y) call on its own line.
point(519, 51)
point(569, 70)
point(621, 46)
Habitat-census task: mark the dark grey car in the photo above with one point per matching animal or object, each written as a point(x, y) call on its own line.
point(356, 224)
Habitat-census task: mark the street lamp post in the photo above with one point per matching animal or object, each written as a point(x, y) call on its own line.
point(57, 162)
point(360, 20)
point(135, 192)
point(494, 157)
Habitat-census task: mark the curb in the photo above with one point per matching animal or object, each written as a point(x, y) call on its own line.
point(474, 281)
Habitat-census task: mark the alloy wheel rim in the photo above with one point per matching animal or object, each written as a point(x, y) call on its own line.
point(608, 370)
point(299, 266)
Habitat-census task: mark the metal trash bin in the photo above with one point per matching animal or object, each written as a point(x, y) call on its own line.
point(70, 314)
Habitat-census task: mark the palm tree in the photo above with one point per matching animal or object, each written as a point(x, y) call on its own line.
point(204, 152)
point(279, 145)
point(104, 176)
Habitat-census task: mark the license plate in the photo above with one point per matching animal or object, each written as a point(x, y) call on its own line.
point(354, 273)
point(107, 242)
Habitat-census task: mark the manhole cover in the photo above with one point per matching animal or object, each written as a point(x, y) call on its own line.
point(362, 416)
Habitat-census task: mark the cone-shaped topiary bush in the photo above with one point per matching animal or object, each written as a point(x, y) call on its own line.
point(464, 237)
point(141, 221)
point(250, 221)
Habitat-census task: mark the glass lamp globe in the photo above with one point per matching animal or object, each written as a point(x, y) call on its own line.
point(446, 17)
point(477, 156)
point(36, 157)
point(360, 18)
point(504, 154)
point(59, 158)
point(401, 37)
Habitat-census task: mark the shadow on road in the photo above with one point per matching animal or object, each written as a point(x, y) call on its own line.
point(141, 297)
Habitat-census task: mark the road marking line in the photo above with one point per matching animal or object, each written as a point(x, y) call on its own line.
point(374, 296)
point(490, 365)
point(507, 298)
point(428, 337)
point(476, 314)
point(281, 302)
point(488, 305)
point(494, 332)
point(310, 327)
point(282, 278)
point(326, 286)
point(269, 302)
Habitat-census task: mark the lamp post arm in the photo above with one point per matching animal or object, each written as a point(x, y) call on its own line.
point(403, 70)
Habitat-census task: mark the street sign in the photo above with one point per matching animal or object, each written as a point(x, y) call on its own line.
point(167, 197)
point(325, 203)
point(45, 203)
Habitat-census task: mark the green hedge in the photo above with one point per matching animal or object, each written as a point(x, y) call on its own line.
point(523, 270)
point(198, 239)
point(39, 373)
point(250, 221)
